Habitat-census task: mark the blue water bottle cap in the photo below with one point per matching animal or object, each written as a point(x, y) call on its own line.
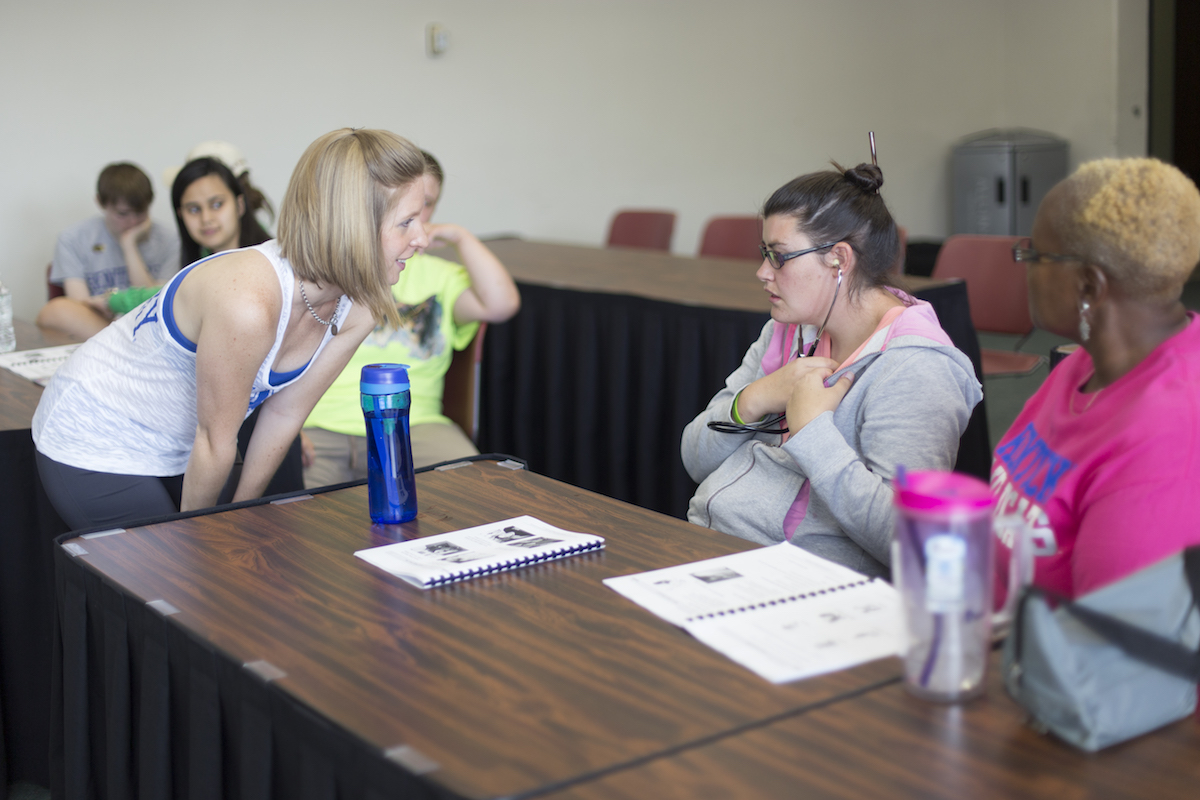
point(383, 379)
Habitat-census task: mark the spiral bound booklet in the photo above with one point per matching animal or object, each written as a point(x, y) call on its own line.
point(38, 365)
point(780, 611)
point(471, 552)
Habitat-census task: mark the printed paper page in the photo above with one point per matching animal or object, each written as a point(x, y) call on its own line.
point(810, 637)
point(497, 544)
point(37, 365)
point(732, 583)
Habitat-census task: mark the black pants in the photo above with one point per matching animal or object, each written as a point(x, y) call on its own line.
point(88, 499)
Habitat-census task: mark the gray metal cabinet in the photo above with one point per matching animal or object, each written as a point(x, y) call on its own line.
point(999, 178)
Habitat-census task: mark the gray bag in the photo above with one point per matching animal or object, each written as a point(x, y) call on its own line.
point(1116, 663)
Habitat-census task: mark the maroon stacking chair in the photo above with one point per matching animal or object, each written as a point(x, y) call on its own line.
point(647, 229)
point(996, 294)
point(732, 237)
point(460, 392)
point(53, 289)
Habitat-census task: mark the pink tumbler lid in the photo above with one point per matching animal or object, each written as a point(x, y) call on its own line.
point(943, 492)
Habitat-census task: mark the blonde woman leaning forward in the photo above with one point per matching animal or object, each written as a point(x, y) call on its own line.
point(441, 304)
point(143, 419)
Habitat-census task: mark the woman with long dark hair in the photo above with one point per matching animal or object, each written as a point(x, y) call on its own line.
point(212, 211)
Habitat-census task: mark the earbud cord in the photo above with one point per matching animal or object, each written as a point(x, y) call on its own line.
point(813, 348)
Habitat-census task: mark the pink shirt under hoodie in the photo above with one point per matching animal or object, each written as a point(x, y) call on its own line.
point(921, 320)
point(1109, 480)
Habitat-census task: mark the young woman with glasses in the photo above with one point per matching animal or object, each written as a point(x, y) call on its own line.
point(850, 380)
point(1103, 461)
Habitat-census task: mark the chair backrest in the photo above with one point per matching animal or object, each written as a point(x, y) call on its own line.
point(460, 392)
point(996, 290)
point(648, 229)
point(732, 237)
point(53, 290)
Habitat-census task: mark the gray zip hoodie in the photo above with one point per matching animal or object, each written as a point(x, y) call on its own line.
point(912, 395)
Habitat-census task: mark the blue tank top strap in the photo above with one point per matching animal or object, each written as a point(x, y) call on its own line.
point(168, 311)
point(168, 304)
point(280, 378)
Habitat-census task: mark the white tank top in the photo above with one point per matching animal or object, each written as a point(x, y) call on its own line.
point(125, 402)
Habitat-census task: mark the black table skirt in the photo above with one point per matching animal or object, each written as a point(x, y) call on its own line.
point(145, 708)
point(149, 710)
point(26, 612)
point(595, 389)
point(30, 525)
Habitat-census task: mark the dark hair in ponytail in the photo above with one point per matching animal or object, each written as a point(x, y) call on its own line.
point(255, 199)
point(843, 206)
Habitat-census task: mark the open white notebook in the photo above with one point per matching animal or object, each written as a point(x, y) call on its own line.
point(472, 552)
point(780, 611)
point(38, 365)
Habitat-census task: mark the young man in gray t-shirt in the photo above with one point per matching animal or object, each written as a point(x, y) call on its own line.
point(119, 249)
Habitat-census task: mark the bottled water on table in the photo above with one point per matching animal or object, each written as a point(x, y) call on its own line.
point(8, 338)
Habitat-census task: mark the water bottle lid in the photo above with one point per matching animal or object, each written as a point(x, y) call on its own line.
point(943, 492)
point(383, 379)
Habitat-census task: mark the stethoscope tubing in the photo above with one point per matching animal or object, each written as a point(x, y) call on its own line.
point(765, 425)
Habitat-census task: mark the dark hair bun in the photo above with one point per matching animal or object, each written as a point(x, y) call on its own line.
point(867, 177)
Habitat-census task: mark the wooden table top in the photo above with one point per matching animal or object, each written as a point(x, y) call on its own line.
point(19, 397)
point(886, 743)
point(510, 682)
point(715, 282)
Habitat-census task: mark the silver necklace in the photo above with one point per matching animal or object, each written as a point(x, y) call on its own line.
point(313, 311)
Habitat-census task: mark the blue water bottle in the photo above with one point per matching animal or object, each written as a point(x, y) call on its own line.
point(391, 487)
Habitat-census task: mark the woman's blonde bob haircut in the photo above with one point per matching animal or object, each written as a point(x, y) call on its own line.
point(333, 211)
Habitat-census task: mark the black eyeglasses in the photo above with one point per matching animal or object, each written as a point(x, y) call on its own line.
point(779, 259)
point(1023, 252)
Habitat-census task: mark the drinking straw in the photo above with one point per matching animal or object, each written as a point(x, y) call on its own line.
point(382, 429)
point(393, 485)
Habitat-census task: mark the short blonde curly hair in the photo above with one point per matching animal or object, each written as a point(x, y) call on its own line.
point(1138, 218)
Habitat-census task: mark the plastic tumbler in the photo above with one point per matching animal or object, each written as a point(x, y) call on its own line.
point(942, 566)
point(391, 486)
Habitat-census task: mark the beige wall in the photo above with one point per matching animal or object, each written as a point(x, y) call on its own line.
point(547, 115)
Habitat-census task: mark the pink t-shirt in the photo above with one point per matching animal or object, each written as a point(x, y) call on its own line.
point(1110, 481)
